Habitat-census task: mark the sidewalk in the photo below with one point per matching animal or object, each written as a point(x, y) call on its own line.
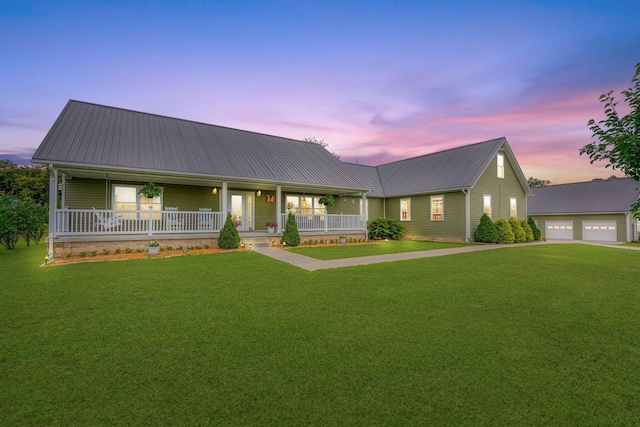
point(312, 264)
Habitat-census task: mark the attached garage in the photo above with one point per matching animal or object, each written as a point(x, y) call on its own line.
point(605, 231)
point(559, 230)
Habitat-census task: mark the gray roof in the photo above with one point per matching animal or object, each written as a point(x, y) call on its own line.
point(602, 196)
point(97, 136)
point(370, 174)
point(453, 169)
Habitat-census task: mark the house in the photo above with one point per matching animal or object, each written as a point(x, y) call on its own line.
point(594, 210)
point(100, 157)
point(442, 196)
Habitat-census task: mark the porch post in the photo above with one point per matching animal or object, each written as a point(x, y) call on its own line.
point(278, 206)
point(53, 206)
point(467, 214)
point(63, 195)
point(224, 201)
point(365, 211)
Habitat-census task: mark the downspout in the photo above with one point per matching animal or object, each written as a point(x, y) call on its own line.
point(467, 214)
point(53, 205)
point(628, 227)
point(365, 215)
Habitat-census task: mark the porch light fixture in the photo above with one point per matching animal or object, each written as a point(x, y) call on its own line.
point(259, 193)
point(214, 190)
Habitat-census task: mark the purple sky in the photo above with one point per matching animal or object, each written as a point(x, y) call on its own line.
point(378, 81)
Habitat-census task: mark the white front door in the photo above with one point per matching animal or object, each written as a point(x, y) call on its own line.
point(241, 208)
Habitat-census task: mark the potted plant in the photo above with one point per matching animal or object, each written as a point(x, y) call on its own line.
point(153, 248)
point(151, 190)
point(271, 226)
point(327, 200)
point(343, 239)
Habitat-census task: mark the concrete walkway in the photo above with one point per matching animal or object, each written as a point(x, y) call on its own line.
point(312, 264)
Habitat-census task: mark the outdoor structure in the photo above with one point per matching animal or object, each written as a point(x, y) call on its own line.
point(594, 210)
point(101, 157)
point(442, 196)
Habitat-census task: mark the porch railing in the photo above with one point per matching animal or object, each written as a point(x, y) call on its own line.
point(327, 222)
point(106, 222)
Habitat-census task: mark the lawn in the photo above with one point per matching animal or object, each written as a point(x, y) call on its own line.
point(538, 335)
point(374, 248)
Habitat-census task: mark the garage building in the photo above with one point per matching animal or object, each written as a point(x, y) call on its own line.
point(595, 210)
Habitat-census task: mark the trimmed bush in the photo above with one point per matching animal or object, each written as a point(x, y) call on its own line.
point(518, 232)
point(505, 234)
point(528, 232)
point(534, 229)
point(291, 236)
point(229, 237)
point(486, 231)
point(386, 228)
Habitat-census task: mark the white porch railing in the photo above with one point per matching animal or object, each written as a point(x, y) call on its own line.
point(106, 222)
point(327, 222)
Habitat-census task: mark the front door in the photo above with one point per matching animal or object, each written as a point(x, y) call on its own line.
point(241, 208)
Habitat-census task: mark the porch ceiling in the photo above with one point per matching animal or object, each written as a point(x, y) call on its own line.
point(193, 180)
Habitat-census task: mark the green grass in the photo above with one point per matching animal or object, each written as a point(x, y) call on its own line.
point(538, 335)
point(374, 248)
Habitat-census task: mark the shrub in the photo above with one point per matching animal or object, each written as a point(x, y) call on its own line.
point(518, 232)
point(486, 231)
point(534, 229)
point(528, 232)
point(9, 223)
point(33, 219)
point(229, 237)
point(291, 236)
point(386, 228)
point(505, 234)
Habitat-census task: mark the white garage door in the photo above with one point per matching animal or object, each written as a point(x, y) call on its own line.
point(599, 230)
point(559, 230)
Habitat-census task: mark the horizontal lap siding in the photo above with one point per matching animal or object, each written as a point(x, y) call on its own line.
point(501, 190)
point(349, 207)
point(189, 198)
point(87, 194)
point(621, 223)
point(421, 224)
point(264, 212)
point(376, 208)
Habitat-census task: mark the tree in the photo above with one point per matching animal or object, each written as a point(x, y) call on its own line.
point(290, 236)
point(534, 229)
point(320, 142)
point(229, 237)
point(30, 181)
point(535, 182)
point(486, 231)
point(519, 235)
point(505, 234)
point(617, 139)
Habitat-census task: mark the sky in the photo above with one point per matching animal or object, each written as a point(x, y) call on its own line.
point(378, 81)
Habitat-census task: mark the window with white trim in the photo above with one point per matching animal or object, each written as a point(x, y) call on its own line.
point(305, 205)
point(128, 198)
point(405, 209)
point(500, 161)
point(486, 204)
point(437, 208)
point(513, 207)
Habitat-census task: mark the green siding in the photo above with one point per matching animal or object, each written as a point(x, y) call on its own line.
point(264, 211)
point(349, 207)
point(189, 198)
point(376, 208)
point(420, 224)
point(501, 190)
point(621, 223)
point(86, 194)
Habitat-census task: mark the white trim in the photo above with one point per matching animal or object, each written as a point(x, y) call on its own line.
point(498, 157)
point(409, 209)
point(279, 207)
point(441, 196)
point(514, 201)
point(490, 205)
point(467, 205)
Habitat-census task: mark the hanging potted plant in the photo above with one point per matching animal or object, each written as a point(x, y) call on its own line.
point(327, 200)
point(151, 190)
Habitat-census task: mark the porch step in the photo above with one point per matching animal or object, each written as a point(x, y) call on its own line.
point(256, 242)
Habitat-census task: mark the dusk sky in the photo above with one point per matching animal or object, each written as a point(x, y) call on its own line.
point(379, 81)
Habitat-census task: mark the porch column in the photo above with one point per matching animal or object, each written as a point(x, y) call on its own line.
point(278, 206)
point(364, 214)
point(224, 201)
point(467, 214)
point(53, 205)
point(63, 195)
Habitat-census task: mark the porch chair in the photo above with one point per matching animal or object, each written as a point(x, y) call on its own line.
point(172, 220)
point(204, 219)
point(106, 220)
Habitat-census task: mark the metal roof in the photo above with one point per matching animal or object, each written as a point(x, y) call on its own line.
point(98, 136)
point(452, 169)
point(370, 174)
point(602, 196)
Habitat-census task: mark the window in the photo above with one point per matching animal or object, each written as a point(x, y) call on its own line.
point(405, 209)
point(513, 207)
point(437, 208)
point(304, 205)
point(127, 198)
point(500, 166)
point(486, 204)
